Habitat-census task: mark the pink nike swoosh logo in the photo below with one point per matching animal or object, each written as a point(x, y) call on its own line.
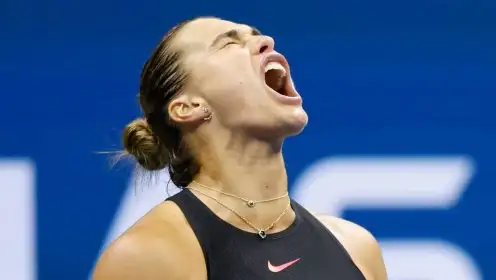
point(281, 267)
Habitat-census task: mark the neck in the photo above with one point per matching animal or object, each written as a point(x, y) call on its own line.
point(253, 170)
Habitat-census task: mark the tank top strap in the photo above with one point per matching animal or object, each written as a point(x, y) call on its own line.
point(200, 218)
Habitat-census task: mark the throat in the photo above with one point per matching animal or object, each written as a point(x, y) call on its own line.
point(254, 172)
point(246, 203)
point(246, 171)
point(247, 185)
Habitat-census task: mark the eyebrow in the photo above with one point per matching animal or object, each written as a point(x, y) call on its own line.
point(234, 34)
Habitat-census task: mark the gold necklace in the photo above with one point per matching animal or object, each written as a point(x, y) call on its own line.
point(249, 202)
point(262, 232)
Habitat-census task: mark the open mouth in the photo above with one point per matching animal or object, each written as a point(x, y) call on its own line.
point(276, 77)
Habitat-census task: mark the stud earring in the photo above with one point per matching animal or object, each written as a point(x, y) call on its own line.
point(208, 113)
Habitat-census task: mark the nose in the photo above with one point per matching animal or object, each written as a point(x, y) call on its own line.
point(263, 44)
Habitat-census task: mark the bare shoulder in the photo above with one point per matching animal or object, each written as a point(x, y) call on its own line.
point(350, 231)
point(156, 247)
point(360, 244)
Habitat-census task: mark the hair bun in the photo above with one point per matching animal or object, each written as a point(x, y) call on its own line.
point(140, 141)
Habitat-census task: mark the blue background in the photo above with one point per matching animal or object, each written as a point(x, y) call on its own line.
point(378, 78)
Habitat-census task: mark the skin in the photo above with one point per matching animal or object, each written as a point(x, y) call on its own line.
point(242, 145)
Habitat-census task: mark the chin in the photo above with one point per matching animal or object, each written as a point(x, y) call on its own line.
point(296, 121)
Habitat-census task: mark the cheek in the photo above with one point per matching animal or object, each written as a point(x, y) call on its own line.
point(226, 83)
point(231, 68)
point(230, 84)
point(215, 79)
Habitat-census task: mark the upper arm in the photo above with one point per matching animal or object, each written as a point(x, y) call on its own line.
point(138, 256)
point(360, 244)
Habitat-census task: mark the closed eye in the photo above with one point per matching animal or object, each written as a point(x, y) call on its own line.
point(229, 43)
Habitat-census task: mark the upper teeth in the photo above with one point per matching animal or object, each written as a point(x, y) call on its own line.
point(274, 66)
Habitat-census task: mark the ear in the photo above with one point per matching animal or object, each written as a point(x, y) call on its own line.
point(187, 110)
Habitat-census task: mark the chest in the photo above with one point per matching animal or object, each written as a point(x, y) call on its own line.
point(289, 258)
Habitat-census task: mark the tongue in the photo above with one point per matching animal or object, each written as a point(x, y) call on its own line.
point(274, 79)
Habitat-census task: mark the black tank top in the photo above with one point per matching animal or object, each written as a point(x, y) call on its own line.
point(306, 250)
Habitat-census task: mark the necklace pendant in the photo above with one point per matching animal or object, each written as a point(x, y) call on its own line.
point(262, 234)
point(250, 203)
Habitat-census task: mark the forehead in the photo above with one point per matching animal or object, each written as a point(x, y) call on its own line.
point(200, 33)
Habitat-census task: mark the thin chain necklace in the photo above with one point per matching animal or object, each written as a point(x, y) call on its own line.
point(249, 202)
point(262, 232)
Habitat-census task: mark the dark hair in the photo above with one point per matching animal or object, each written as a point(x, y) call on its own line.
point(153, 140)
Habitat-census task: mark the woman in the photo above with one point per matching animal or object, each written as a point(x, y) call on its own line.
point(218, 103)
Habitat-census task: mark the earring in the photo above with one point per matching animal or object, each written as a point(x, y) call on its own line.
point(208, 113)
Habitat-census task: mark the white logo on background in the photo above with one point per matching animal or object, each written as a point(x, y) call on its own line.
point(17, 219)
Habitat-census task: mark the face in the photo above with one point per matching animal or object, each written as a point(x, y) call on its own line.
point(236, 72)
